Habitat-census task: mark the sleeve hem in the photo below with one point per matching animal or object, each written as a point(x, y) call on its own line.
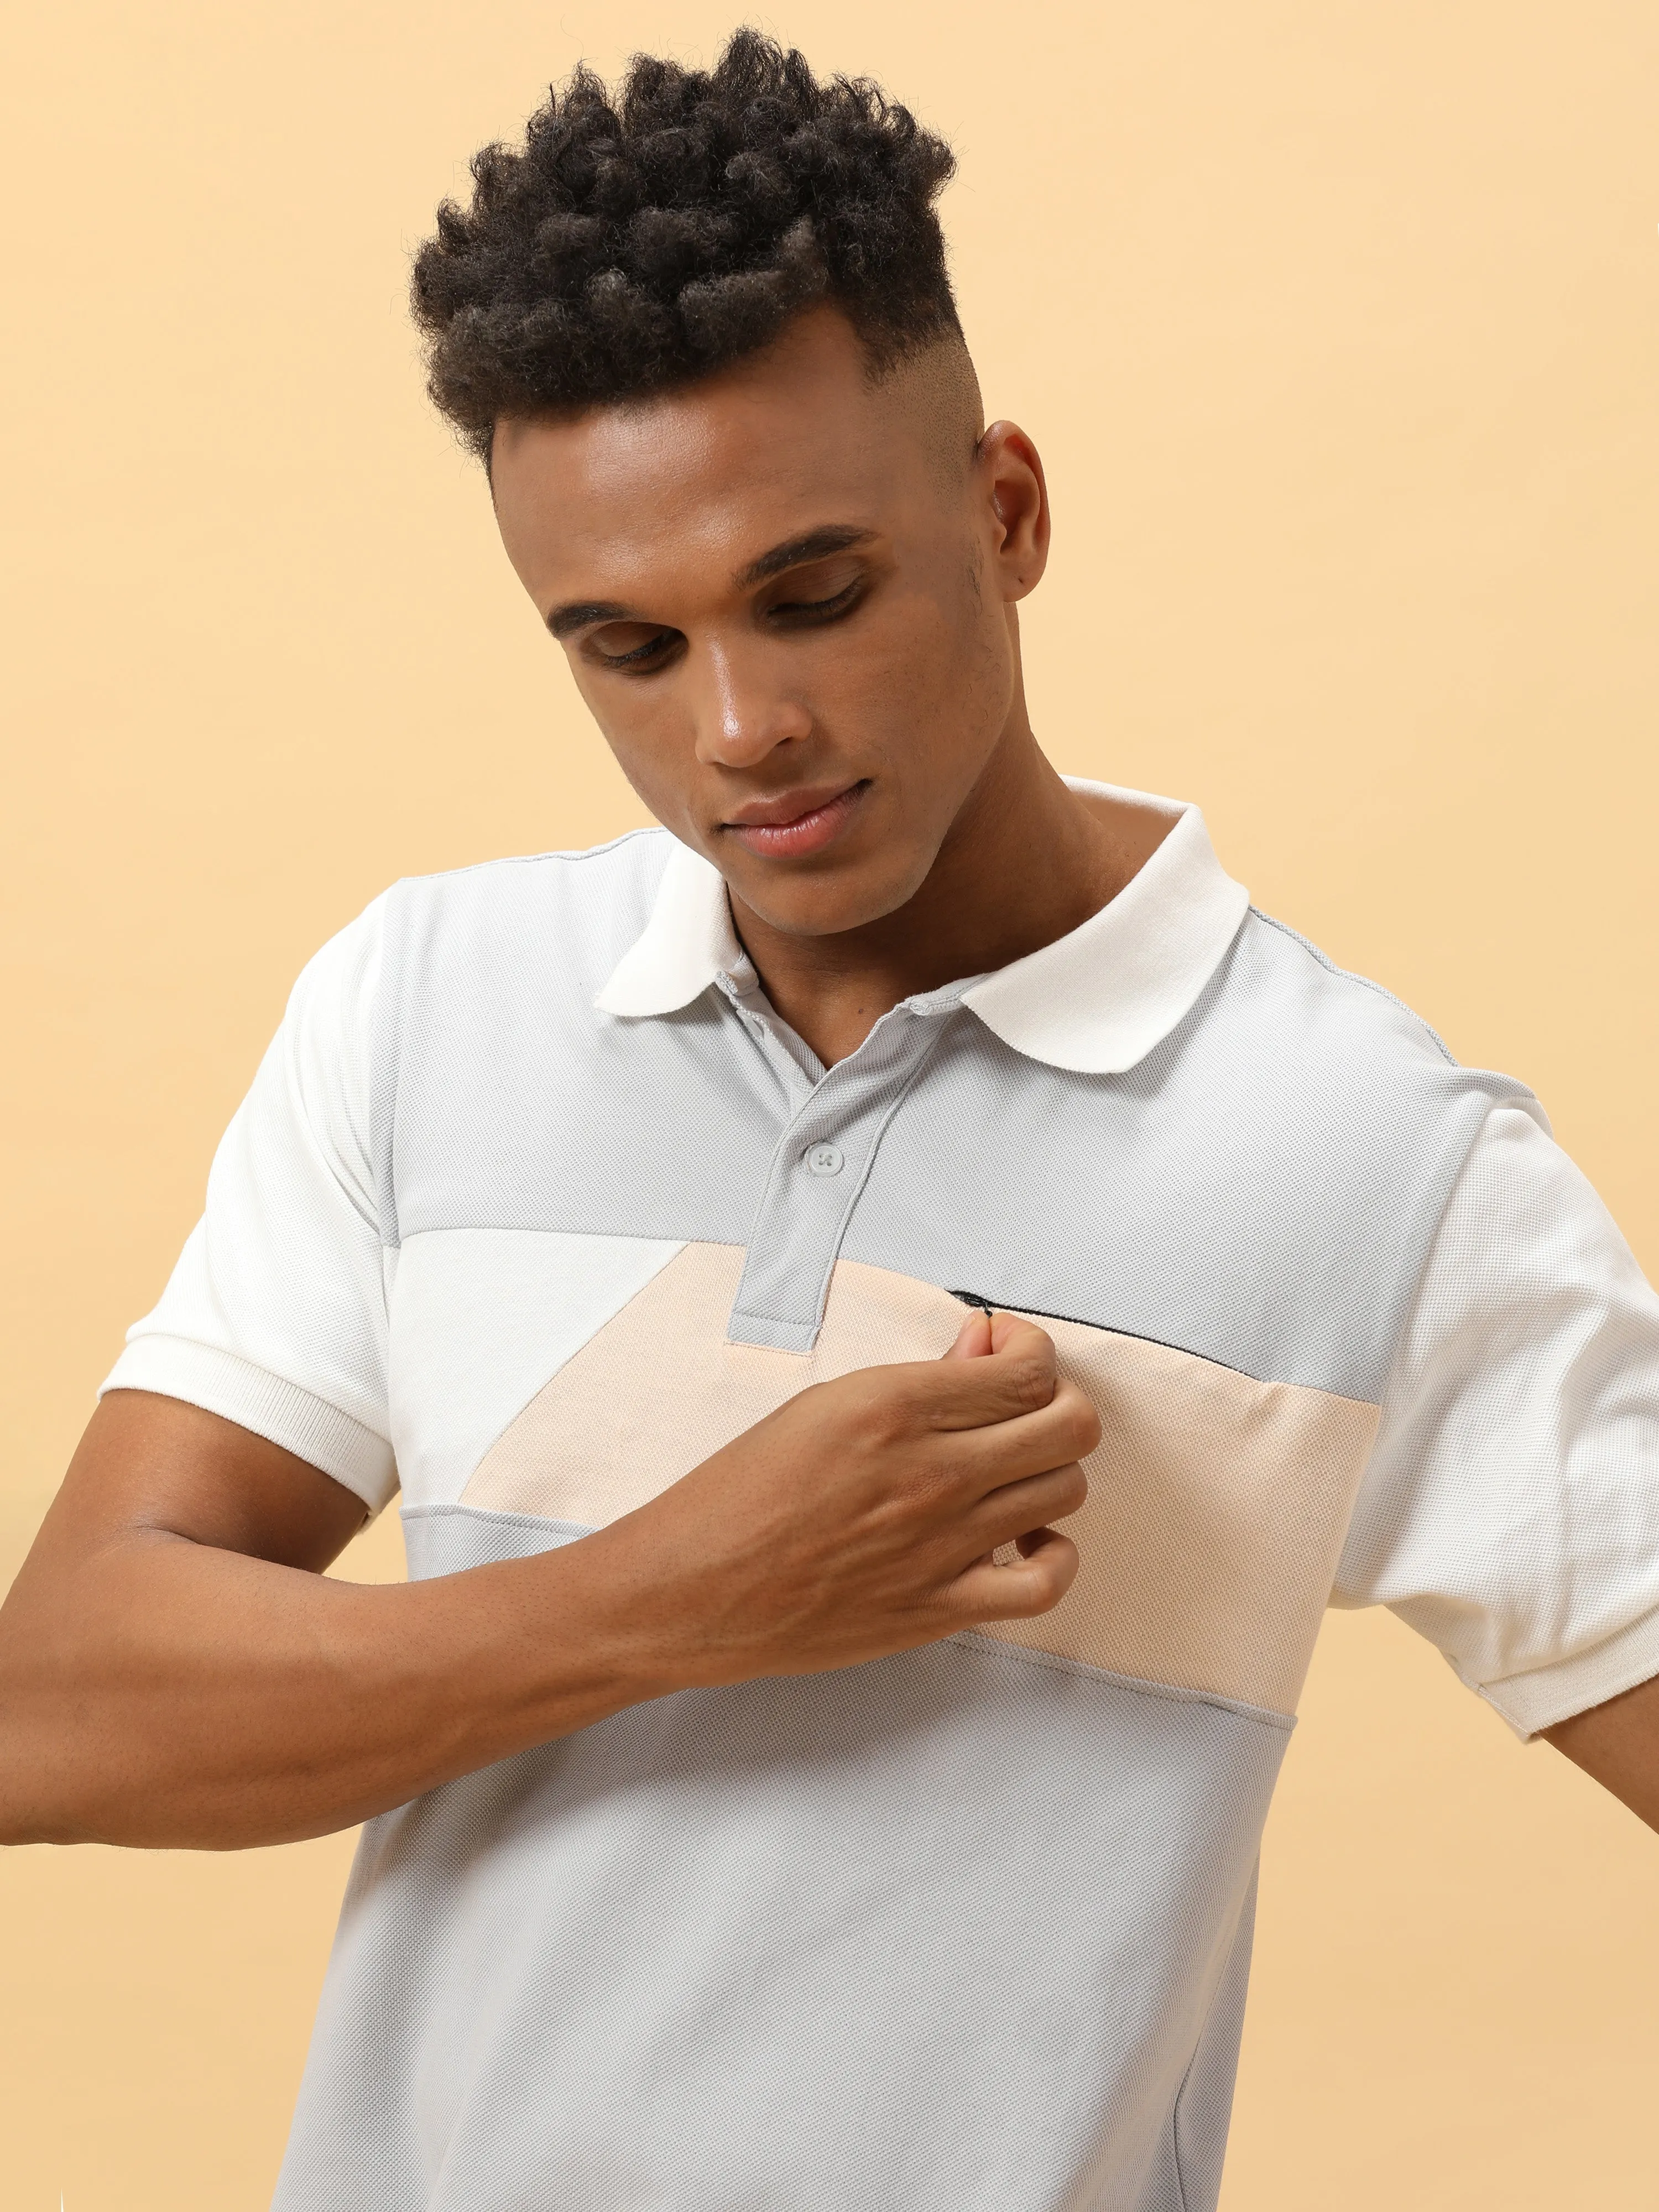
point(268, 1405)
point(1538, 1699)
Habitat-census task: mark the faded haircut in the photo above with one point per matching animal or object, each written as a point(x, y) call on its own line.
point(647, 236)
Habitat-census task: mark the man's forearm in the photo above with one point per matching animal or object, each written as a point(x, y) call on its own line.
point(189, 1697)
point(176, 1671)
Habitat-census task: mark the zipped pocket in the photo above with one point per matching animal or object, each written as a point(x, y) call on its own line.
point(1101, 1328)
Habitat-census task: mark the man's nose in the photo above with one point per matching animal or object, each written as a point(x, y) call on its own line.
point(743, 711)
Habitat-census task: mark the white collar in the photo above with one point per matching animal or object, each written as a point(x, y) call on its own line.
point(1096, 1000)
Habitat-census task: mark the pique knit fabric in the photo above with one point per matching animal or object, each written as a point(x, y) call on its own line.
point(535, 1204)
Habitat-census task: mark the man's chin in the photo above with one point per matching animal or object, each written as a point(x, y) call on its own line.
point(818, 902)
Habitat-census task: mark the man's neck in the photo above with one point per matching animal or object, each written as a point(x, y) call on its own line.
point(1026, 862)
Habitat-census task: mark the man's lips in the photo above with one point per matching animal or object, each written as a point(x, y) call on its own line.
point(799, 823)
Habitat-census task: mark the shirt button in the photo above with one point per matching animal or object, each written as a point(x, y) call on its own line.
point(824, 1160)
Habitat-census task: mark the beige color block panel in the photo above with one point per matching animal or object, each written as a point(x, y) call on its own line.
point(659, 1388)
point(1217, 1503)
point(1216, 1512)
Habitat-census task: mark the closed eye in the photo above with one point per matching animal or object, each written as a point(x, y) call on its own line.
point(650, 653)
point(818, 610)
point(630, 648)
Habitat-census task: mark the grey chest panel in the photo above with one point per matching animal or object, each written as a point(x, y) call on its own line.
point(1260, 1190)
point(942, 1932)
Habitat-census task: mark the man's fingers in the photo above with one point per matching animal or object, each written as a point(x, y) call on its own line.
point(1034, 1584)
point(1016, 1509)
point(1067, 1428)
point(1003, 1325)
point(973, 1339)
point(972, 1391)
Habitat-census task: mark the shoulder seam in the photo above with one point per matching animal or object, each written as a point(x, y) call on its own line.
point(1362, 982)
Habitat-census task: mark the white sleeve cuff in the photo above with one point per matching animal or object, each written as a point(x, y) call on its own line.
point(220, 1383)
point(1539, 1699)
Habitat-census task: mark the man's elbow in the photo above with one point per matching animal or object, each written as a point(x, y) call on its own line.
point(23, 1822)
point(38, 1765)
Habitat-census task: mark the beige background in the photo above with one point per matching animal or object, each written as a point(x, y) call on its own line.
point(1337, 327)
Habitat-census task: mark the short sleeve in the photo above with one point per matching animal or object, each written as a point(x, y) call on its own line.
point(276, 1314)
point(1510, 1511)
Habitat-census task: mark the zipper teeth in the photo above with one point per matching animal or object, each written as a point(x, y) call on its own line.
point(1105, 1328)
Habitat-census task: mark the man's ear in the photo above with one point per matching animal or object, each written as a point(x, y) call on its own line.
point(1011, 471)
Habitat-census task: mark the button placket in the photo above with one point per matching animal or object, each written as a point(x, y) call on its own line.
point(817, 1174)
point(780, 1064)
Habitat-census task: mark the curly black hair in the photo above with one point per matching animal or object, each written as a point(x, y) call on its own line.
point(642, 241)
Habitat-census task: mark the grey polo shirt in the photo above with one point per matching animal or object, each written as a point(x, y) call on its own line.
point(535, 1203)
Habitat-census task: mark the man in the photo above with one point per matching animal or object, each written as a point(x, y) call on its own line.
point(892, 1306)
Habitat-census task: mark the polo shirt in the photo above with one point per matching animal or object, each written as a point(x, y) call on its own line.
point(535, 1203)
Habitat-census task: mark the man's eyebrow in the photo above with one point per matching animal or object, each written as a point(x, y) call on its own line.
point(811, 545)
point(576, 614)
point(814, 545)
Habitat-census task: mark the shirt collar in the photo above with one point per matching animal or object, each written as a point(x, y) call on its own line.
point(1095, 1001)
point(687, 943)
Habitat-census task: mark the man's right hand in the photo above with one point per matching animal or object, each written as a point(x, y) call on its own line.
point(860, 1518)
point(175, 1670)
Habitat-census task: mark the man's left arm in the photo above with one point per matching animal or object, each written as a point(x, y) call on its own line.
point(1510, 1511)
point(1618, 1744)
